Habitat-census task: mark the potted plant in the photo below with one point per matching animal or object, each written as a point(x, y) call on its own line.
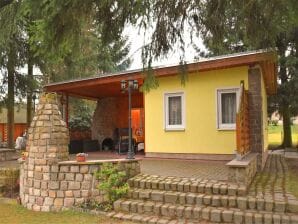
point(81, 157)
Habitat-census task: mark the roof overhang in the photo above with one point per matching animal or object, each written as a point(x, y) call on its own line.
point(109, 85)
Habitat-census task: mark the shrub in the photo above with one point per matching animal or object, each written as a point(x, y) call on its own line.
point(112, 182)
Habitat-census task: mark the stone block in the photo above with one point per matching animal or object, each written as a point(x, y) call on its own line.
point(232, 190)
point(267, 218)
point(238, 217)
point(84, 169)
point(206, 213)
point(293, 206)
point(216, 189)
point(180, 211)
point(63, 185)
point(180, 186)
point(194, 188)
point(242, 203)
point(268, 205)
point(186, 187)
point(164, 210)
point(52, 194)
point(227, 216)
point(157, 209)
point(134, 206)
point(117, 205)
point(197, 213)
point(74, 169)
point(171, 197)
point(174, 186)
point(208, 188)
point(260, 204)
point(157, 195)
point(58, 202)
point(125, 206)
point(285, 219)
point(280, 206)
point(188, 212)
point(224, 201)
point(53, 185)
point(294, 219)
point(69, 202)
point(60, 194)
point(72, 185)
point(199, 199)
point(77, 194)
point(223, 189)
point(215, 201)
point(61, 176)
point(64, 169)
point(276, 219)
point(252, 203)
point(69, 176)
point(190, 198)
point(140, 207)
point(232, 201)
point(172, 211)
point(144, 194)
point(182, 198)
point(242, 191)
point(248, 217)
point(207, 200)
point(258, 218)
point(85, 185)
point(215, 215)
point(68, 194)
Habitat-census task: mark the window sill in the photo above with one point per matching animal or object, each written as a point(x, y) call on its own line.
point(174, 129)
point(226, 129)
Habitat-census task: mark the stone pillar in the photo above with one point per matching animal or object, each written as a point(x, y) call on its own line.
point(47, 145)
point(256, 114)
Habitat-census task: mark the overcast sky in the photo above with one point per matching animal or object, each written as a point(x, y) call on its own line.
point(137, 40)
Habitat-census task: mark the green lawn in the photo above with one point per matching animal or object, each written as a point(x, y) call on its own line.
point(11, 213)
point(275, 134)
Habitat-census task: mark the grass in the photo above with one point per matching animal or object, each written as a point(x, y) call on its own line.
point(12, 213)
point(275, 135)
point(292, 181)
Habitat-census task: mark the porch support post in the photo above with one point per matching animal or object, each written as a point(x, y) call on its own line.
point(66, 109)
point(256, 114)
point(130, 154)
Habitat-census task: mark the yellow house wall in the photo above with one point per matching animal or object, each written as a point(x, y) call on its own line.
point(265, 115)
point(200, 134)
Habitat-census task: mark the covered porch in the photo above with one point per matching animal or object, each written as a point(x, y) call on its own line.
point(110, 121)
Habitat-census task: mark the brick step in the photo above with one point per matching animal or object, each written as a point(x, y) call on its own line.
point(199, 213)
point(194, 185)
point(150, 219)
point(239, 202)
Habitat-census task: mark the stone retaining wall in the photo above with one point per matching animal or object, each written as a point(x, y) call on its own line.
point(70, 183)
point(243, 171)
point(48, 182)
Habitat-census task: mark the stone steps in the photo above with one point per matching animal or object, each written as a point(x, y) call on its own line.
point(240, 202)
point(152, 212)
point(193, 185)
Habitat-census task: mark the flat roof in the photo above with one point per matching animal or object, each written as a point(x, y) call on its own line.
point(104, 85)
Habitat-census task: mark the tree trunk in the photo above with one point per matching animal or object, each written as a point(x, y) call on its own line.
point(287, 137)
point(10, 100)
point(29, 90)
point(285, 110)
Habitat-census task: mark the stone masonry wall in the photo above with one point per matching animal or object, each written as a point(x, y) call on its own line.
point(256, 114)
point(104, 119)
point(48, 182)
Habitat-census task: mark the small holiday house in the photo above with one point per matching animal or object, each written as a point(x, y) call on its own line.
point(221, 109)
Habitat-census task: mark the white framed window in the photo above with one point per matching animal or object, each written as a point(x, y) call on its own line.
point(227, 103)
point(174, 109)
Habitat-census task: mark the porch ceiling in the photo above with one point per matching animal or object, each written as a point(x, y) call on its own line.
point(109, 85)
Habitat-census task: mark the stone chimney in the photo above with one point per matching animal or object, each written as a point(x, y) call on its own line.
point(47, 144)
